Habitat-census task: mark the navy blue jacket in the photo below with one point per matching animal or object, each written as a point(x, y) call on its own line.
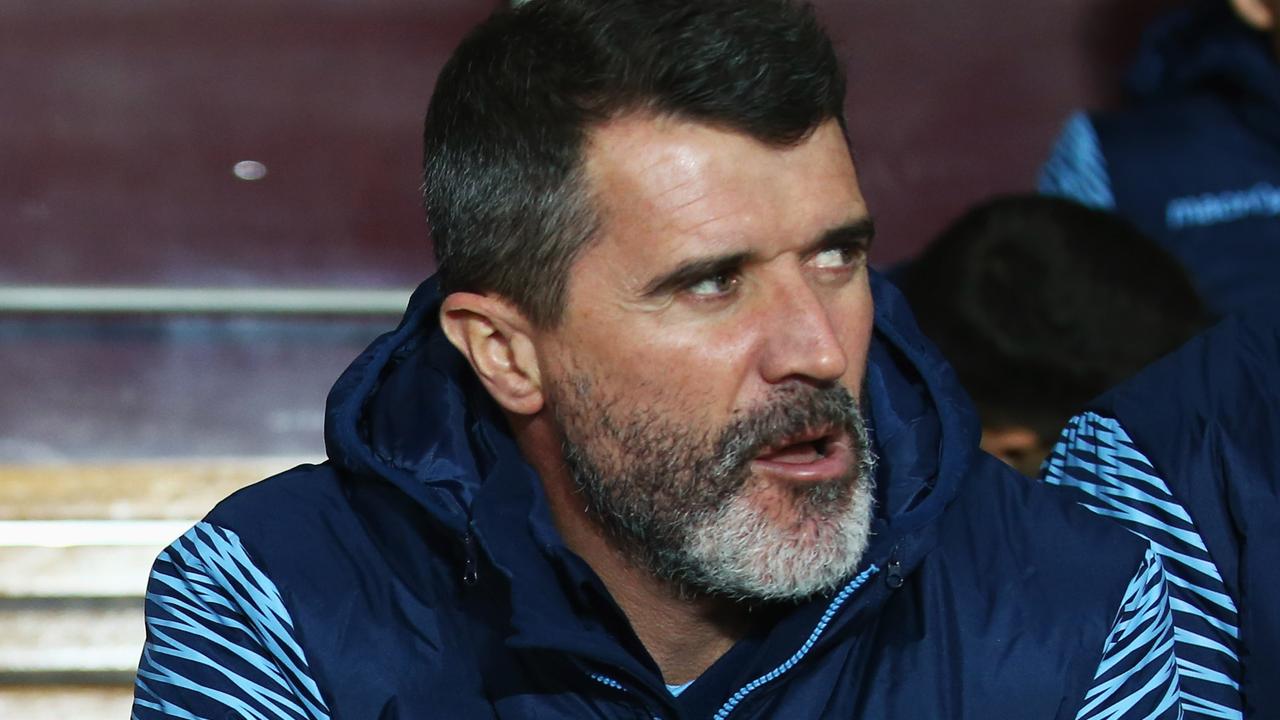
point(1193, 158)
point(1187, 454)
point(417, 574)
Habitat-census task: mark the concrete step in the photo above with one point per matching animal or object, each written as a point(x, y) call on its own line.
point(76, 546)
point(76, 572)
point(67, 702)
point(59, 641)
point(92, 530)
point(183, 489)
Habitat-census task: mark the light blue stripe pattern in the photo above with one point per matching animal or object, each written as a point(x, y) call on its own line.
point(1136, 678)
point(220, 641)
point(1181, 596)
point(1076, 169)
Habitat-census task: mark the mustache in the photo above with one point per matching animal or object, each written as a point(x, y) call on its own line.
point(792, 411)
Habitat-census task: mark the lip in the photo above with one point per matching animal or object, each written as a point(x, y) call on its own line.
point(835, 463)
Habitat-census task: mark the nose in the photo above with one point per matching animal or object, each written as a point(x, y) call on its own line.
point(801, 341)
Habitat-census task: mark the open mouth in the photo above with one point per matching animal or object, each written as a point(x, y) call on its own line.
point(809, 447)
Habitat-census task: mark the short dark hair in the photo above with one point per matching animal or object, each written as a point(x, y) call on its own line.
point(506, 129)
point(1041, 304)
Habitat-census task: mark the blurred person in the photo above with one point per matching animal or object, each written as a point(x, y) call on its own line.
point(1041, 304)
point(655, 442)
point(1193, 158)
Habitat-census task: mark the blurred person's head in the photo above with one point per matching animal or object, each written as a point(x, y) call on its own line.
point(1041, 304)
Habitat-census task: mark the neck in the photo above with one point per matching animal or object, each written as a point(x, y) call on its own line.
point(684, 635)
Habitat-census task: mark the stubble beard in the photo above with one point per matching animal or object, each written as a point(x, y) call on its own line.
point(682, 503)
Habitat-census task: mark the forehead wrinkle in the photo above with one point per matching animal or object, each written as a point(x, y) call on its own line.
point(696, 195)
point(697, 198)
point(674, 171)
point(673, 178)
point(698, 226)
point(687, 205)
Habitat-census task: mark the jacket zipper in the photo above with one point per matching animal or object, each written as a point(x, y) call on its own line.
point(893, 570)
point(470, 563)
point(615, 685)
point(834, 607)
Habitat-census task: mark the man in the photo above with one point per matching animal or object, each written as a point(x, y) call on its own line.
point(1042, 304)
point(617, 461)
point(1192, 158)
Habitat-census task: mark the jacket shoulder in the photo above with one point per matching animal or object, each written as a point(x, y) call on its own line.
point(220, 640)
point(1186, 454)
point(299, 491)
point(354, 553)
point(1023, 590)
point(1039, 530)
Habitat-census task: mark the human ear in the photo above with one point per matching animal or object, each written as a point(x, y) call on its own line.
point(1257, 13)
point(494, 336)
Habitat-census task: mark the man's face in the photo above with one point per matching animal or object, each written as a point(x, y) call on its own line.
point(707, 370)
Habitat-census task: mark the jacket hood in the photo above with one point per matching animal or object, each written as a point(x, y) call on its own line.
point(409, 411)
point(1204, 46)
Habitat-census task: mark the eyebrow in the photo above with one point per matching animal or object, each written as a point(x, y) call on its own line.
point(860, 232)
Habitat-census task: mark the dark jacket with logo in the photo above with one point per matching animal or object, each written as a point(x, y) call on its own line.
point(417, 574)
point(1193, 159)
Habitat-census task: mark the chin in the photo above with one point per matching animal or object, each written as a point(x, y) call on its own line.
point(766, 547)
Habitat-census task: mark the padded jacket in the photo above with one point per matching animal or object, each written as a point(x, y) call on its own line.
point(1187, 455)
point(417, 574)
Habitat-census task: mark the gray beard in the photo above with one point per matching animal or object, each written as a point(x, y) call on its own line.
point(678, 502)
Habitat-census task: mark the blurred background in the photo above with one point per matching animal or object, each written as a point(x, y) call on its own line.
point(208, 209)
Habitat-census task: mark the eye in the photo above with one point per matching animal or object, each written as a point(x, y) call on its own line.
point(713, 286)
point(837, 258)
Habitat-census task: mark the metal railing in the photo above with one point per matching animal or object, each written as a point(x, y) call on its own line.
point(64, 299)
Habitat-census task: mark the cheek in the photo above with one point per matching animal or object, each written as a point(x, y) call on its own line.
point(693, 370)
point(854, 320)
point(701, 364)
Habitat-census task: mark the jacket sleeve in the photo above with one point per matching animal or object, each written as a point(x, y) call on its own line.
point(220, 642)
point(1137, 677)
point(1076, 168)
point(1173, 650)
